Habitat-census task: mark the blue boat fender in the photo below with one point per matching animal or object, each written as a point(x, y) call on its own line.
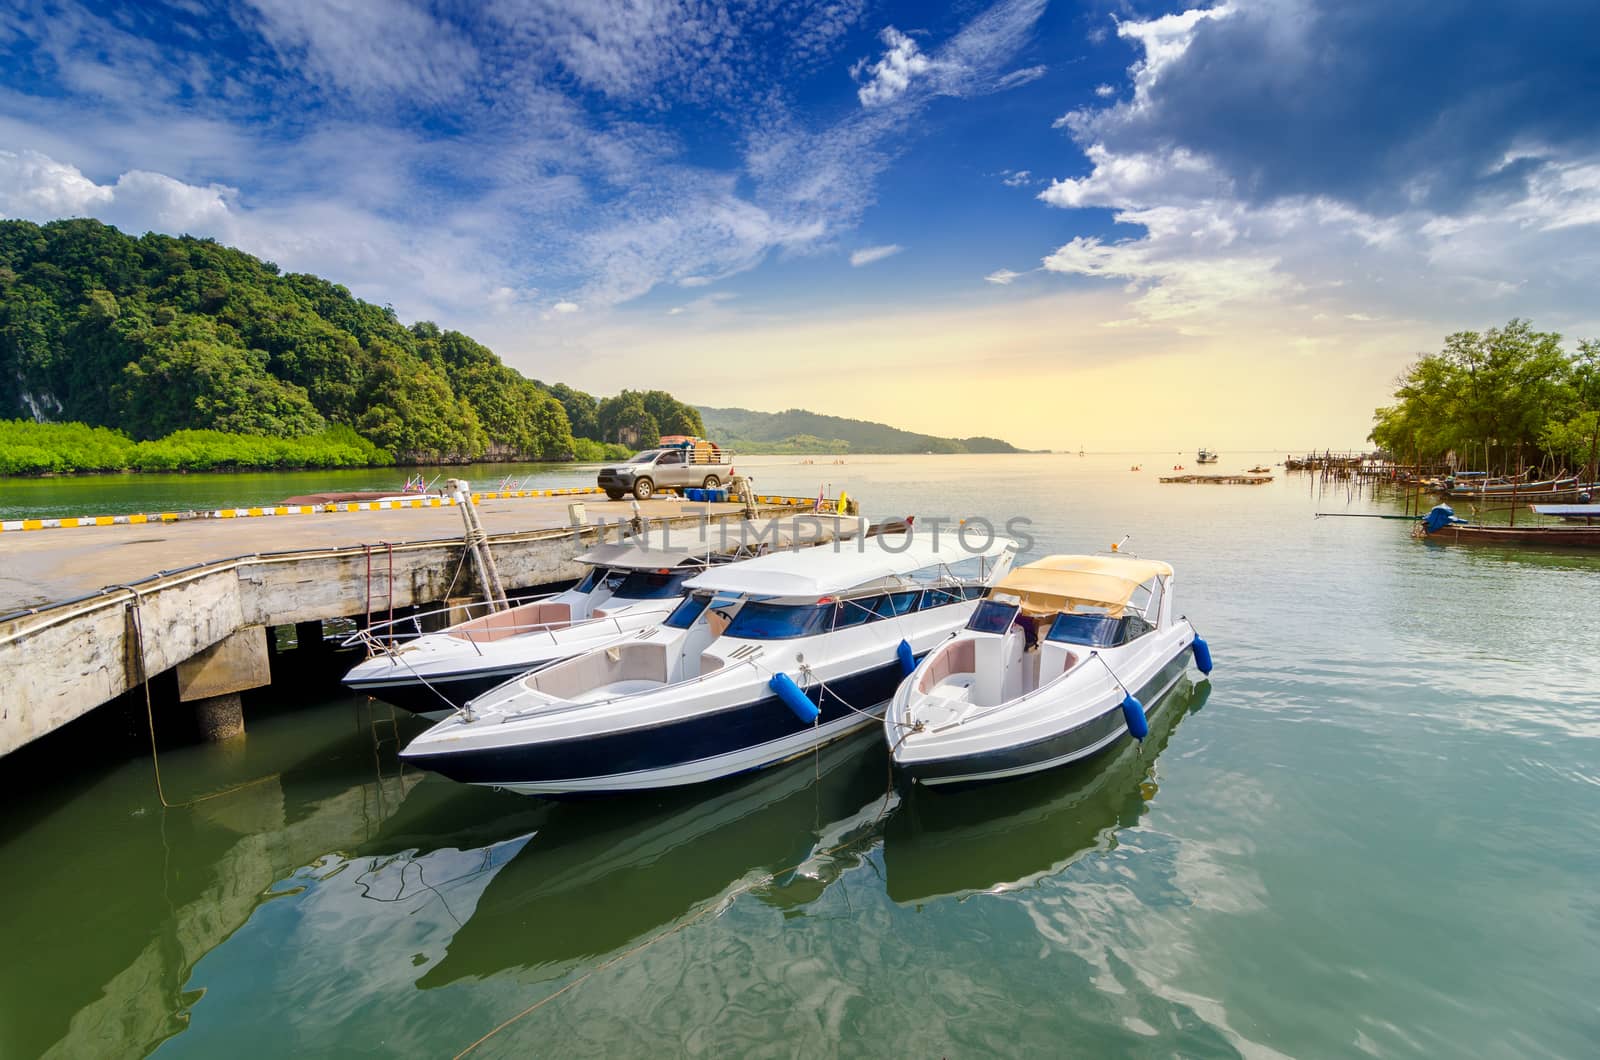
point(794, 698)
point(1133, 714)
point(907, 657)
point(1202, 654)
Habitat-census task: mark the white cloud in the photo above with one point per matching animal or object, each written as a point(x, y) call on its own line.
point(1001, 277)
point(36, 187)
point(564, 307)
point(1018, 179)
point(1022, 77)
point(1208, 248)
point(372, 47)
point(1169, 287)
point(891, 75)
point(1103, 91)
point(868, 255)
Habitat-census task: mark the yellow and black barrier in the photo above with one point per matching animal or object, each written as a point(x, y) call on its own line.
point(401, 504)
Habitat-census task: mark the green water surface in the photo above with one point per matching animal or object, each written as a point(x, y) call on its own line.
point(1374, 830)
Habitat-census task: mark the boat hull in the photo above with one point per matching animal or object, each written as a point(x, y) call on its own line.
point(1080, 741)
point(1547, 536)
point(746, 736)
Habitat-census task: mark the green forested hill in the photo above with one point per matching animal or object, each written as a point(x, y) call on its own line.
point(800, 431)
point(158, 334)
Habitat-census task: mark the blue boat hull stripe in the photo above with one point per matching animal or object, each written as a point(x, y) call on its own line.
point(665, 745)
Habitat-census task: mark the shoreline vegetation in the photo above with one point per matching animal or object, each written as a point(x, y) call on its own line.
point(39, 450)
point(1498, 401)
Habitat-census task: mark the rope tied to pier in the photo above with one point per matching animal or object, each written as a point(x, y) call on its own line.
point(136, 612)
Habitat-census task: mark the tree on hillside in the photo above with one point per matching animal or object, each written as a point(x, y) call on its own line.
point(624, 414)
point(672, 415)
point(583, 412)
point(196, 380)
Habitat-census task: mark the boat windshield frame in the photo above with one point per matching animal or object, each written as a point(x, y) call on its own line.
point(592, 580)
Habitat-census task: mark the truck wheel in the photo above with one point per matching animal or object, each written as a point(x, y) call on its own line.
point(644, 489)
point(613, 495)
point(711, 482)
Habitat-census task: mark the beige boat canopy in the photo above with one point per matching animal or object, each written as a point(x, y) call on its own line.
point(1066, 583)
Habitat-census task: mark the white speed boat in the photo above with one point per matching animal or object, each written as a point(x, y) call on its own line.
point(764, 660)
point(1063, 658)
point(628, 587)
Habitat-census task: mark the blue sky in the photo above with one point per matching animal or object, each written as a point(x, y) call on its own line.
point(1012, 217)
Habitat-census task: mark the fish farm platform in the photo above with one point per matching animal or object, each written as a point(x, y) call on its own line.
point(1220, 480)
point(90, 612)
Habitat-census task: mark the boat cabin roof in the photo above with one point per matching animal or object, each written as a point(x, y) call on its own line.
point(816, 572)
point(1567, 509)
point(1065, 583)
point(683, 545)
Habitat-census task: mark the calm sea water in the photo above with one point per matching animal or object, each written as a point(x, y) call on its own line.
point(1375, 829)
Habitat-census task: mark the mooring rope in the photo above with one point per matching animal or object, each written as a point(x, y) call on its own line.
point(137, 611)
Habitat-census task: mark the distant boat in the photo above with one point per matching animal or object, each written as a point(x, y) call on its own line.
point(1206, 456)
point(1549, 490)
point(1261, 469)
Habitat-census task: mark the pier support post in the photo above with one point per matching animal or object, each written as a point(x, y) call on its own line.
point(213, 679)
point(220, 717)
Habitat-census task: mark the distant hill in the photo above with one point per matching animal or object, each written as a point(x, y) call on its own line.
point(800, 431)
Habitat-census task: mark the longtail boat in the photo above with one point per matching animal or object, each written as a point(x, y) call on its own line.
point(1442, 524)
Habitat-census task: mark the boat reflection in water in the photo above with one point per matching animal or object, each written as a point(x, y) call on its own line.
point(1008, 835)
point(596, 876)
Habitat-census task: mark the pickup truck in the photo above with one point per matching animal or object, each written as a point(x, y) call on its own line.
point(654, 470)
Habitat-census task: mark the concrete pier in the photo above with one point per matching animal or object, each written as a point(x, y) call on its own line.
point(89, 613)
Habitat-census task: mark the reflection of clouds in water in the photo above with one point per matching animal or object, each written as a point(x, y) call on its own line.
point(1128, 914)
point(391, 917)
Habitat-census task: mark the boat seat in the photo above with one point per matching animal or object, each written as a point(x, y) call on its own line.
point(590, 674)
point(511, 622)
point(955, 658)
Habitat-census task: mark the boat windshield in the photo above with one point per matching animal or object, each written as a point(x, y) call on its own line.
point(591, 580)
point(654, 584)
point(1096, 631)
point(992, 617)
point(684, 614)
point(766, 621)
